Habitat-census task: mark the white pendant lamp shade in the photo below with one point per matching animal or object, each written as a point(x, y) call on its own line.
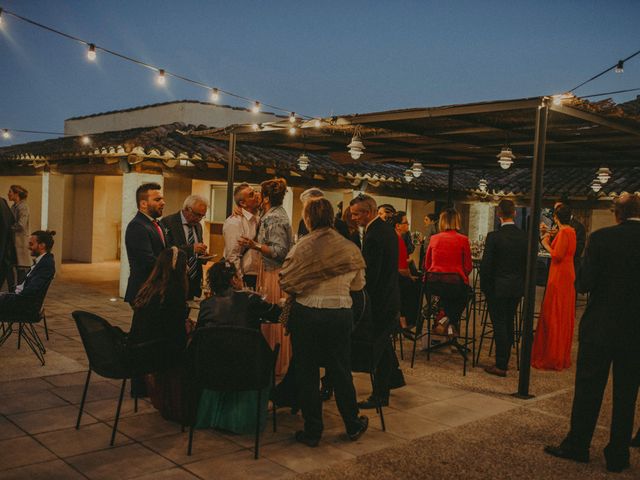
point(303, 162)
point(505, 157)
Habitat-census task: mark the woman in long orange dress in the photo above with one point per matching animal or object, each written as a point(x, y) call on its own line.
point(554, 335)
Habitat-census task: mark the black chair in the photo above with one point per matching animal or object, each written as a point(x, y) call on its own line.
point(26, 319)
point(110, 356)
point(438, 285)
point(229, 359)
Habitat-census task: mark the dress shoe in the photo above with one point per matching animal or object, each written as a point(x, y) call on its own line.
point(493, 370)
point(326, 391)
point(302, 437)
point(372, 402)
point(616, 463)
point(562, 452)
point(636, 440)
point(364, 421)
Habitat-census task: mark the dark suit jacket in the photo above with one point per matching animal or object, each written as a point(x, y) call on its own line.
point(504, 263)
point(238, 309)
point(143, 244)
point(176, 238)
point(610, 273)
point(380, 252)
point(7, 248)
point(36, 283)
point(581, 236)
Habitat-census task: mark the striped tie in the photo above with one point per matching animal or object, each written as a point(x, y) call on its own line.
point(192, 264)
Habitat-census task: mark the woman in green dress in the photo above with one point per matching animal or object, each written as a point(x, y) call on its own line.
point(230, 305)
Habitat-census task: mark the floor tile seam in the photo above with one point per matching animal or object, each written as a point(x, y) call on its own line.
point(483, 417)
point(562, 417)
point(546, 396)
point(63, 428)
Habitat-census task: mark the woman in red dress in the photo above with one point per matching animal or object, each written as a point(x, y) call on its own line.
point(554, 334)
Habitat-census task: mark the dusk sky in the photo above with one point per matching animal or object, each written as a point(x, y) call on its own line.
point(316, 58)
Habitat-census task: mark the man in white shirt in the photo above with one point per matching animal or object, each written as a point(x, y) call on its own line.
point(245, 224)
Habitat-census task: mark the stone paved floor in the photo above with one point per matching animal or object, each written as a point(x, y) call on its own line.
point(39, 405)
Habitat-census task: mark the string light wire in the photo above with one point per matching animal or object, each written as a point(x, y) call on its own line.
point(144, 64)
point(612, 67)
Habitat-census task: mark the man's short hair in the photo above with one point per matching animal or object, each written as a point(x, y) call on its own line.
point(310, 193)
point(317, 213)
point(46, 237)
point(627, 206)
point(142, 192)
point(237, 193)
point(20, 191)
point(506, 208)
point(398, 216)
point(366, 201)
point(387, 207)
point(192, 200)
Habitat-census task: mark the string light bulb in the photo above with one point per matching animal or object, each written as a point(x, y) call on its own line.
point(416, 169)
point(161, 79)
point(255, 127)
point(317, 123)
point(0, 16)
point(85, 139)
point(6, 134)
point(215, 95)
point(408, 176)
point(91, 53)
point(603, 175)
point(303, 162)
point(505, 158)
point(559, 99)
point(596, 186)
point(482, 185)
point(256, 107)
point(292, 117)
point(619, 67)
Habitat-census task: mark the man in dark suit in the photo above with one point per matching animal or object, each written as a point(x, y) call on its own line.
point(502, 273)
point(380, 252)
point(185, 232)
point(609, 336)
point(7, 247)
point(144, 238)
point(28, 296)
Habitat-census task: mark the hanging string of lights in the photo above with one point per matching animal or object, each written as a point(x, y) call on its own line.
point(7, 133)
point(162, 74)
point(618, 67)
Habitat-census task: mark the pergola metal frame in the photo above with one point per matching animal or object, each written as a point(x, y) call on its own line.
point(425, 135)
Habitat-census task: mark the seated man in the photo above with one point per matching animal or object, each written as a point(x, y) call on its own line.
point(30, 293)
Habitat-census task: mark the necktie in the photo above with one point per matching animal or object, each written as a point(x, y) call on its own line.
point(192, 263)
point(157, 225)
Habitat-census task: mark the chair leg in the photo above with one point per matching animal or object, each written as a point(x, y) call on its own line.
point(84, 397)
point(257, 445)
point(135, 404)
point(20, 328)
point(33, 341)
point(378, 403)
point(115, 422)
point(46, 329)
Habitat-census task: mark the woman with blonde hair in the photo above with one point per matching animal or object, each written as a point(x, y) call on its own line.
point(449, 252)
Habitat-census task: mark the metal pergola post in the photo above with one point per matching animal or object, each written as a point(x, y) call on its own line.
point(231, 168)
point(528, 311)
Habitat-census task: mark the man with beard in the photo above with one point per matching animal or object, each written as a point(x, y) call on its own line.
point(144, 238)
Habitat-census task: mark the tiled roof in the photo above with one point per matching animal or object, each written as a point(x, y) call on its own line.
point(168, 142)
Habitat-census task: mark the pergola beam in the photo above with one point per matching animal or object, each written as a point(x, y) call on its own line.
point(593, 118)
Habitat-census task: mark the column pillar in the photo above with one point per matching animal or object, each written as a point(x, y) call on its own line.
point(52, 212)
point(130, 182)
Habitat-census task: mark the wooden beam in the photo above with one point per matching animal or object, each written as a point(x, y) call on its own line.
point(594, 118)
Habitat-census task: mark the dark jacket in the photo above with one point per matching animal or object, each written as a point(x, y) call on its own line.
point(609, 272)
point(504, 263)
point(36, 283)
point(7, 247)
point(380, 252)
point(176, 238)
point(581, 236)
point(143, 244)
point(162, 320)
point(236, 308)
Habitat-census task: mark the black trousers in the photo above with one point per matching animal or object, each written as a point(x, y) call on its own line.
point(322, 337)
point(454, 306)
point(592, 373)
point(503, 314)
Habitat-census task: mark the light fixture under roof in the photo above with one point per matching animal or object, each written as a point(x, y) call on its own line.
point(603, 175)
point(356, 147)
point(596, 186)
point(482, 185)
point(408, 176)
point(416, 169)
point(505, 157)
point(303, 162)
